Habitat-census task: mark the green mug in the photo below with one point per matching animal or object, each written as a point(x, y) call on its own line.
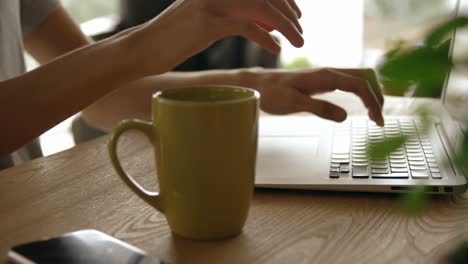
point(205, 142)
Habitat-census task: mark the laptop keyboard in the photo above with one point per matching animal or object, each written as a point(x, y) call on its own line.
point(415, 159)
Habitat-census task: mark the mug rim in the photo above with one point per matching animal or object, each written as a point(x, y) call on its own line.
point(158, 95)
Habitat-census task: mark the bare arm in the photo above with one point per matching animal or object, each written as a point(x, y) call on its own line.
point(58, 34)
point(36, 101)
point(133, 100)
point(282, 91)
point(32, 103)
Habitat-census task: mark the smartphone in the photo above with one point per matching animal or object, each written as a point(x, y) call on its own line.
point(79, 247)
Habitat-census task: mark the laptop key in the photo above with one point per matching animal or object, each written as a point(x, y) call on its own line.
point(436, 176)
point(379, 165)
point(397, 160)
point(334, 174)
point(359, 152)
point(419, 151)
point(380, 171)
point(391, 176)
point(432, 165)
point(398, 165)
point(344, 169)
point(359, 144)
point(360, 140)
point(335, 165)
point(379, 160)
point(360, 159)
point(416, 163)
point(341, 161)
point(355, 159)
point(420, 174)
point(417, 168)
point(360, 172)
point(359, 148)
point(359, 137)
point(405, 169)
point(340, 156)
point(427, 147)
point(397, 156)
point(434, 170)
point(360, 164)
point(416, 158)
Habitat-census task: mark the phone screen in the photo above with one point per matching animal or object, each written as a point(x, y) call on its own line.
point(84, 246)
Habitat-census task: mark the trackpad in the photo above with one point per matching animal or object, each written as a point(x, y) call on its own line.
point(288, 157)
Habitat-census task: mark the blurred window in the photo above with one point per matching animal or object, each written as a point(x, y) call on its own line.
point(84, 10)
point(333, 33)
point(391, 23)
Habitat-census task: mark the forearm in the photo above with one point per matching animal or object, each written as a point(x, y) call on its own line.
point(133, 100)
point(70, 83)
point(36, 101)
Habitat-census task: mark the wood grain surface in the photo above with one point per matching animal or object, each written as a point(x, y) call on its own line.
point(79, 189)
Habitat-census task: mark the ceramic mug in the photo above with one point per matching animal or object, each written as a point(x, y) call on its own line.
point(205, 142)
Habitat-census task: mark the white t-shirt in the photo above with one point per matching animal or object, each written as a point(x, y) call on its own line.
point(18, 18)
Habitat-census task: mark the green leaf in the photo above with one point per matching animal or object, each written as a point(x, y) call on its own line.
point(431, 83)
point(383, 149)
point(415, 200)
point(416, 65)
point(459, 255)
point(424, 66)
point(440, 33)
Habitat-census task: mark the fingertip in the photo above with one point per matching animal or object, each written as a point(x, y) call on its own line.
point(341, 116)
point(337, 114)
point(381, 121)
point(299, 43)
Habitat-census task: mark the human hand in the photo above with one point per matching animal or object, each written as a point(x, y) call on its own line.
point(290, 91)
point(189, 26)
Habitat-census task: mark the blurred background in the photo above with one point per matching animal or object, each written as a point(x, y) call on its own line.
point(338, 33)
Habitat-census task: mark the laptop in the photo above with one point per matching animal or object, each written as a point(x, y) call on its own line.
point(305, 152)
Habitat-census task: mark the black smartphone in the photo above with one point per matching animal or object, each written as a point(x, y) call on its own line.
point(79, 247)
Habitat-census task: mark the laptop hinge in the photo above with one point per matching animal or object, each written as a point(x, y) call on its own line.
point(449, 151)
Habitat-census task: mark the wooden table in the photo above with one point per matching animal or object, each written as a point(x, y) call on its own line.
point(79, 189)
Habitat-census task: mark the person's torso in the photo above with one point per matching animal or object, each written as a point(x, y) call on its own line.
point(12, 65)
point(11, 44)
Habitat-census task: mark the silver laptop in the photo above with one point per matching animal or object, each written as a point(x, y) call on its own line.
point(305, 152)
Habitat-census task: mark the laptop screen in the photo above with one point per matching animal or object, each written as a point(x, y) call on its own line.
point(455, 94)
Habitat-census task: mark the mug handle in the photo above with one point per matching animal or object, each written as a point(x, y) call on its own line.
point(147, 128)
